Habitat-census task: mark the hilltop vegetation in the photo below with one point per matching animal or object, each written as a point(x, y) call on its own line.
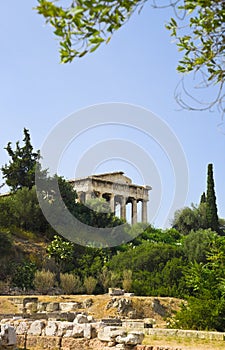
point(186, 261)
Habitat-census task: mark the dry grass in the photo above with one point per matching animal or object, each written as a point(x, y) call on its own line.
point(184, 343)
point(6, 306)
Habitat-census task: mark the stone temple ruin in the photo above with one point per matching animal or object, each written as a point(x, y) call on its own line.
point(117, 189)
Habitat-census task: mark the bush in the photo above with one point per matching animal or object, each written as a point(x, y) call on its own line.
point(115, 280)
point(44, 281)
point(127, 280)
point(201, 314)
point(105, 278)
point(70, 283)
point(90, 284)
point(23, 275)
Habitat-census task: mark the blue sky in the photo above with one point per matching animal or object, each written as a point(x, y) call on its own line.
point(137, 67)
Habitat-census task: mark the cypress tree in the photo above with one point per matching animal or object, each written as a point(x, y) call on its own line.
point(203, 198)
point(211, 207)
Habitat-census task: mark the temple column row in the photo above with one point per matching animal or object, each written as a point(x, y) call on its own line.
point(123, 201)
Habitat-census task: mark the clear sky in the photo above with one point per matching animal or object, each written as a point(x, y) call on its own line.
point(137, 67)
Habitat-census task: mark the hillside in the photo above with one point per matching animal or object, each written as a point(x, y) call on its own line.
point(104, 306)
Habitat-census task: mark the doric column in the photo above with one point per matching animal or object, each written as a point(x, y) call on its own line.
point(88, 195)
point(144, 211)
point(112, 203)
point(123, 208)
point(134, 211)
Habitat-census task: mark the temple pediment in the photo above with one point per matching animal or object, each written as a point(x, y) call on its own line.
point(118, 177)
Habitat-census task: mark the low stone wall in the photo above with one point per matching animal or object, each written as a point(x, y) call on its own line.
point(82, 333)
point(150, 347)
point(185, 333)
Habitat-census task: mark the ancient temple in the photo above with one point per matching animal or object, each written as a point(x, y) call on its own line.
point(117, 189)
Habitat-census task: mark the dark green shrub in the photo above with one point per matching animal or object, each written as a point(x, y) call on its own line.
point(23, 275)
point(201, 314)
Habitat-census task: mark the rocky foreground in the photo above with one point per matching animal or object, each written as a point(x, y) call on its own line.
point(63, 324)
point(82, 333)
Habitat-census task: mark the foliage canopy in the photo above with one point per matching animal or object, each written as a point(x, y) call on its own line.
point(199, 29)
point(20, 172)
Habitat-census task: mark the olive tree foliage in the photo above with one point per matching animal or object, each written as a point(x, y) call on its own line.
point(84, 25)
point(199, 30)
point(198, 27)
point(188, 219)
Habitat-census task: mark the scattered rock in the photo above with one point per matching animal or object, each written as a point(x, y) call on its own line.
point(87, 303)
point(80, 318)
point(123, 305)
point(158, 308)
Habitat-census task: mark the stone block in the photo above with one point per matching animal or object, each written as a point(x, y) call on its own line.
point(8, 335)
point(30, 300)
point(216, 336)
point(36, 328)
point(41, 306)
point(21, 341)
point(132, 338)
point(75, 344)
point(63, 327)
point(41, 343)
point(110, 333)
point(51, 307)
point(51, 329)
point(115, 291)
point(87, 331)
point(78, 331)
point(68, 307)
point(22, 327)
point(31, 307)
